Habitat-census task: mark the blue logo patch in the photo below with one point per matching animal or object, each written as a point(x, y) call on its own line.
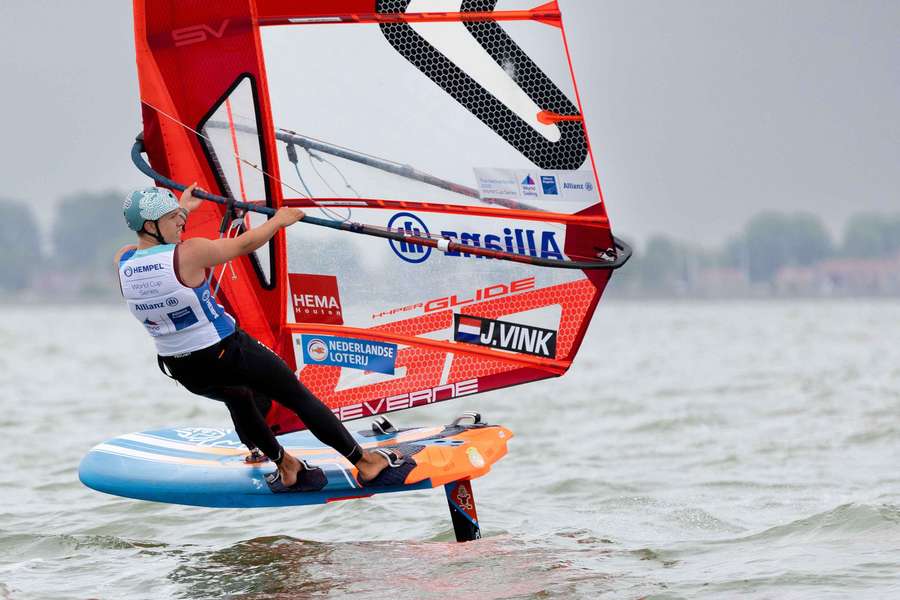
point(183, 318)
point(365, 355)
point(413, 225)
point(548, 184)
point(528, 180)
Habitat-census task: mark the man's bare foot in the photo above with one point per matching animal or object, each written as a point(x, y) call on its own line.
point(289, 468)
point(372, 464)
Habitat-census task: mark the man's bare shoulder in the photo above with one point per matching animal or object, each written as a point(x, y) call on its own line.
point(192, 256)
point(193, 246)
point(194, 242)
point(122, 251)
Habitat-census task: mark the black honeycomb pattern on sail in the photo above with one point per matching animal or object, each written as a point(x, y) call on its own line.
point(568, 153)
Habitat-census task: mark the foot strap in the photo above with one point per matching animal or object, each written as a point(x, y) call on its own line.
point(394, 474)
point(256, 456)
point(394, 460)
point(381, 426)
point(309, 479)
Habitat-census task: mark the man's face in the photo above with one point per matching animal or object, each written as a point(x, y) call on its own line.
point(171, 225)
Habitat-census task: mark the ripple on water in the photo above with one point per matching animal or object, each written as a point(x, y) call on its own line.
point(876, 435)
point(837, 524)
point(24, 547)
point(697, 518)
point(678, 424)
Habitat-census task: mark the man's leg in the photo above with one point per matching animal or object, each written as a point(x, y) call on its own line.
point(210, 373)
point(266, 372)
point(239, 418)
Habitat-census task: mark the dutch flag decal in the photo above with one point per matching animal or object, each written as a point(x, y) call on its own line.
point(468, 329)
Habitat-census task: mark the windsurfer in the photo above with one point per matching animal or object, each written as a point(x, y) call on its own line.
point(163, 280)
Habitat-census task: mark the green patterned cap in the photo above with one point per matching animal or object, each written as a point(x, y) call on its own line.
point(147, 204)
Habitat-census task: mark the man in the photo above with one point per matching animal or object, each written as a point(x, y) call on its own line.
point(164, 283)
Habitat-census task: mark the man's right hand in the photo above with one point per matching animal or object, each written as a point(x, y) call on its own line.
point(288, 216)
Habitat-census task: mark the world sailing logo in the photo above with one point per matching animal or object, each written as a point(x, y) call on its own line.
point(529, 187)
point(526, 242)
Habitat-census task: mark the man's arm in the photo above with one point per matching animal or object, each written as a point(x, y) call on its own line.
point(197, 254)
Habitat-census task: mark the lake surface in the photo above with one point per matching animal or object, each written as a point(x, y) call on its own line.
point(695, 450)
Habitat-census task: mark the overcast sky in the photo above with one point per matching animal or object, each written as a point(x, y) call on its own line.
point(701, 113)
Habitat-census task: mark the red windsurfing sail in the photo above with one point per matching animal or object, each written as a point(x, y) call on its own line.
point(449, 131)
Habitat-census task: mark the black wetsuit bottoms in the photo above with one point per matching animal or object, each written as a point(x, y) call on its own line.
point(238, 371)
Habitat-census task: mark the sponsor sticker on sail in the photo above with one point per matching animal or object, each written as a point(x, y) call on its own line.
point(555, 186)
point(505, 335)
point(315, 299)
point(350, 353)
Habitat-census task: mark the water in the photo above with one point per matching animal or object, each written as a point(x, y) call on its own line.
point(700, 450)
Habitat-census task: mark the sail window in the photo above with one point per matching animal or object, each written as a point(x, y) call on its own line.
point(231, 137)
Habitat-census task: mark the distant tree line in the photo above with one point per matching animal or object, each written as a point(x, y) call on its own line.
point(20, 245)
point(767, 243)
point(88, 229)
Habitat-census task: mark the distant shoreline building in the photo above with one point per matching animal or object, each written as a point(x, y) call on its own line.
point(841, 277)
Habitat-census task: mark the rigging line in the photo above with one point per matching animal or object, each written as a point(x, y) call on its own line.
point(235, 226)
point(316, 171)
point(606, 258)
point(335, 167)
point(208, 139)
point(294, 160)
point(325, 210)
point(234, 144)
point(339, 147)
point(233, 231)
point(334, 213)
point(329, 211)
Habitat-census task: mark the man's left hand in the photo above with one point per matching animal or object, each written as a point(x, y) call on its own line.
point(188, 201)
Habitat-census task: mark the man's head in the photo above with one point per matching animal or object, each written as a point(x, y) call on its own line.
point(155, 212)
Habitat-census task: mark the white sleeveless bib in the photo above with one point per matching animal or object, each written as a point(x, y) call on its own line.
point(181, 319)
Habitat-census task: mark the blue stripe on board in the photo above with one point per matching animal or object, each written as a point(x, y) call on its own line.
point(297, 439)
point(201, 452)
